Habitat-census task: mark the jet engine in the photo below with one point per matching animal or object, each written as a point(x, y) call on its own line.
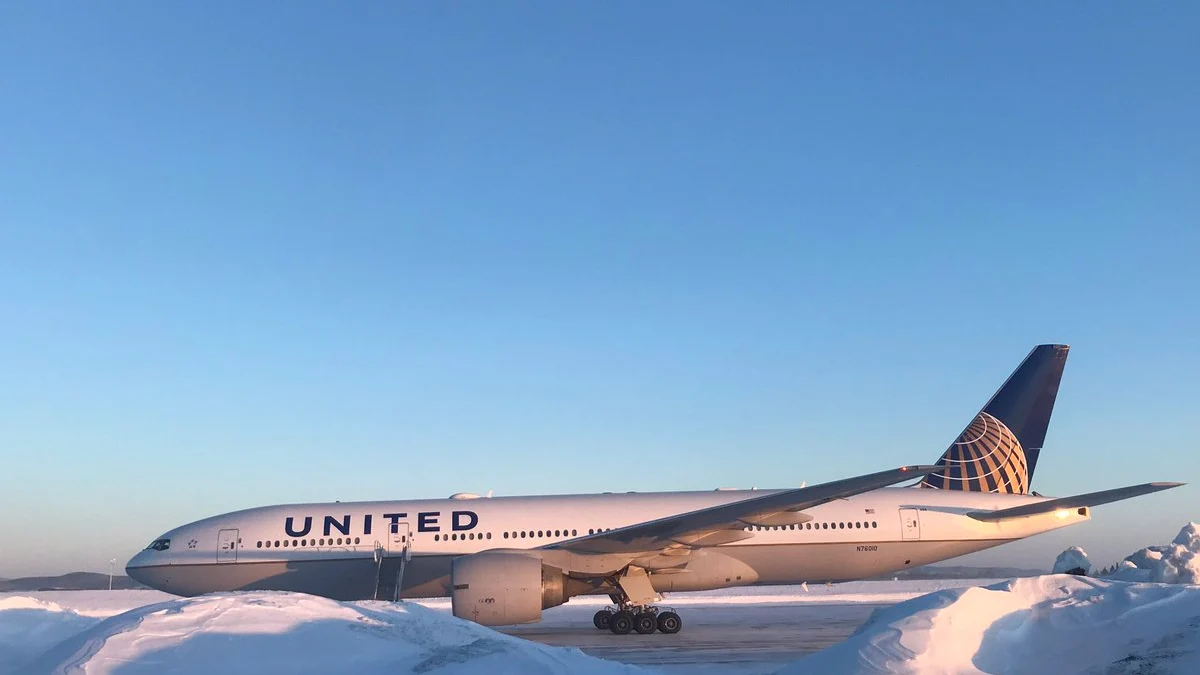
point(501, 588)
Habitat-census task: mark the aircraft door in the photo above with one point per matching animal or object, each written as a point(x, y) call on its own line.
point(227, 545)
point(399, 539)
point(910, 524)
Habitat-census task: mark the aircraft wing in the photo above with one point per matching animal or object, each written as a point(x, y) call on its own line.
point(714, 525)
point(1089, 499)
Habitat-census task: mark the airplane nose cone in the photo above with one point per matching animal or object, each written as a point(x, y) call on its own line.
point(134, 568)
point(131, 568)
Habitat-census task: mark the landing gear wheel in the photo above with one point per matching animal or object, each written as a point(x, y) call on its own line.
point(602, 618)
point(645, 622)
point(669, 622)
point(621, 623)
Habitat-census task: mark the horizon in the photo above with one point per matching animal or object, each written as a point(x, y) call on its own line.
point(272, 254)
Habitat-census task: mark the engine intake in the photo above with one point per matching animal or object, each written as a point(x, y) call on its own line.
point(501, 588)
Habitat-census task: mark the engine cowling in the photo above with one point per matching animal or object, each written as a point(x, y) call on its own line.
point(498, 589)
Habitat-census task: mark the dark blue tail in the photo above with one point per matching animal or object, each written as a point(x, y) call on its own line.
point(999, 449)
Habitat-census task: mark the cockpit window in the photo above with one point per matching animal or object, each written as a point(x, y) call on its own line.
point(159, 545)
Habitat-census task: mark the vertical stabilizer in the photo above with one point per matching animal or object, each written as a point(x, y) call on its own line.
point(998, 451)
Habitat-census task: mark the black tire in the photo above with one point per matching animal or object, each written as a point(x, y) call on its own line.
point(669, 622)
point(645, 623)
point(602, 618)
point(621, 623)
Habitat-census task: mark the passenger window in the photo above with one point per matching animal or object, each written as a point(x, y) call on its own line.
point(489, 535)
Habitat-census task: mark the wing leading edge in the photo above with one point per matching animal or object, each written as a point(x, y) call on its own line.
point(1078, 501)
point(701, 527)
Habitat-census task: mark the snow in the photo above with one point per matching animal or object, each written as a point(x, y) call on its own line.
point(260, 632)
point(1057, 623)
point(1175, 563)
point(1050, 624)
point(1071, 559)
point(33, 622)
point(28, 626)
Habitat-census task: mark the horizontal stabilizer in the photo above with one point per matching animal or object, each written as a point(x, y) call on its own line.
point(1090, 499)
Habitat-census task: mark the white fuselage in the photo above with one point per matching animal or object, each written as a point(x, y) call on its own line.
point(338, 549)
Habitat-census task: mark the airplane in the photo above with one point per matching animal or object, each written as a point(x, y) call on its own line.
point(503, 560)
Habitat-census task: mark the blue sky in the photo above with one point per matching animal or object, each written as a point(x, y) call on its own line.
point(265, 253)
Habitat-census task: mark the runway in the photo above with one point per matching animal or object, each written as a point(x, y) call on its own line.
point(747, 630)
point(743, 638)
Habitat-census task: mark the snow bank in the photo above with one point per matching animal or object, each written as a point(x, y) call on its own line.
point(1072, 559)
point(263, 632)
point(1051, 624)
point(29, 626)
point(1175, 563)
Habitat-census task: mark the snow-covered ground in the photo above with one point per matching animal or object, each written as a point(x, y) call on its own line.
point(1071, 560)
point(32, 623)
point(1050, 624)
point(1175, 563)
point(262, 632)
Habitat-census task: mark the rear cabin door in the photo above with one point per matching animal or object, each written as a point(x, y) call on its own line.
point(227, 545)
point(910, 524)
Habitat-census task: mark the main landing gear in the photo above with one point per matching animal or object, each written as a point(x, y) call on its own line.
point(643, 620)
point(633, 610)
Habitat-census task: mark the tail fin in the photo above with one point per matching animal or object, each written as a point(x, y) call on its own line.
point(998, 450)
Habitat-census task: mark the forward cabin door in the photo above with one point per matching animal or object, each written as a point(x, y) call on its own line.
point(227, 545)
point(390, 583)
point(398, 539)
point(910, 524)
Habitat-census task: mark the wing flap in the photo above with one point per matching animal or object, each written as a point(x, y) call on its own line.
point(654, 535)
point(1077, 501)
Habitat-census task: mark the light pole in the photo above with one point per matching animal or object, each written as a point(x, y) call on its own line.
point(110, 572)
